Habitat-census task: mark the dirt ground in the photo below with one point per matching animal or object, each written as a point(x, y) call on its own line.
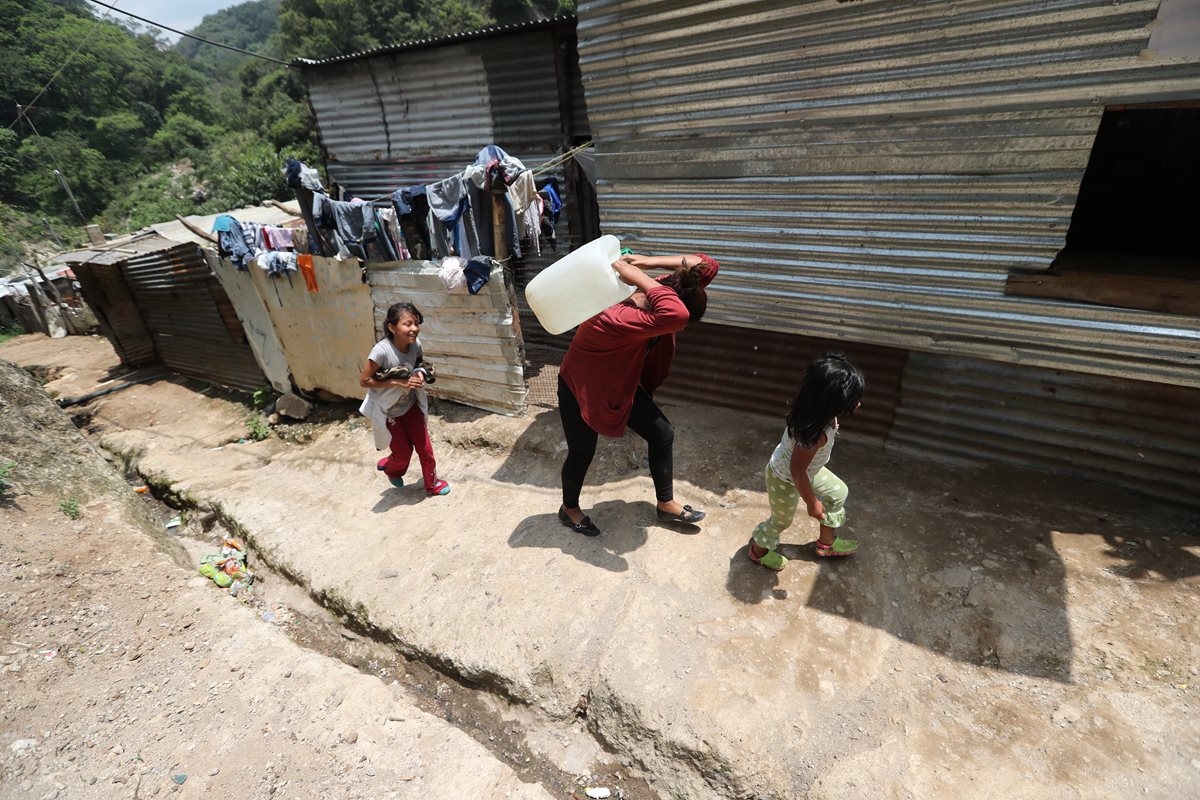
point(1002, 632)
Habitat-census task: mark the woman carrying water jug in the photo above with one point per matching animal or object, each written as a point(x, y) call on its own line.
point(615, 362)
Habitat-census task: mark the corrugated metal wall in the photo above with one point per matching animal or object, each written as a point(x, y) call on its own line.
point(421, 114)
point(1137, 434)
point(104, 289)
point(873, 170)
point(470, 339)
point(194, 327)
point(759, 371)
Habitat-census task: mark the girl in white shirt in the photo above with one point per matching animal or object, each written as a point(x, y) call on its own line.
point(396, 404)
point(831, 387)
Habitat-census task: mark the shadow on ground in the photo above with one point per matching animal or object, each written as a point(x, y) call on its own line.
point(536, 457)
point(965, 562)
point(624, 526)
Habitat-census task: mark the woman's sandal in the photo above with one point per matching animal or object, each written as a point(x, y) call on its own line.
point(689, 516)
point(840, 547)
point(772, 559)
point(584, 526)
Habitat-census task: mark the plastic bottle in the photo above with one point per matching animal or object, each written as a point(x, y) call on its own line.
point(577, 286)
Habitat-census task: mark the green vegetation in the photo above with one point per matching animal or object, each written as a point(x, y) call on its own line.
point(70, 507)
point(261, 397)
point(6, 469)
point(143, 131)
point(257, 428)
point(10, 332)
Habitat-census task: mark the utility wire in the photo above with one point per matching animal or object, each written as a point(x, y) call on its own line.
point(23, 110)
point(62, 178)
point(188, 35)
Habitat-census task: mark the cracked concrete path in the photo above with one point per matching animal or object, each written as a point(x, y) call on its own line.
point(1001, 632)
point(125, 675)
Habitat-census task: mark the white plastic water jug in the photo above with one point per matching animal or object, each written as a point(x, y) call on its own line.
point(579, 285)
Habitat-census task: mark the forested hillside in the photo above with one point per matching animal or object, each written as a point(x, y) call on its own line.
point(248, 26)
point(141, 130)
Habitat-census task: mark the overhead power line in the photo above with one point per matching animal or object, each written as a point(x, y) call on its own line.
point(25, 109)
point(188, 35)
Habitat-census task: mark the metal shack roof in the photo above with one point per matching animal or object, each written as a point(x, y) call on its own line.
point(118, 250)
point(438, 41)
point(873, 171)
point(420, 112)
point(265, 214)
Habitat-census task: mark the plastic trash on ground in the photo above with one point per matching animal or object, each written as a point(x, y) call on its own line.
point(228, 568)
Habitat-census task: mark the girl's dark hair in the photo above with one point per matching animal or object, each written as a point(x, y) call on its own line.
point(397, 311)
point(831, 387)
point(688, 283)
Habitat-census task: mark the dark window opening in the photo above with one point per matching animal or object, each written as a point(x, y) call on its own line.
point(1134, 240)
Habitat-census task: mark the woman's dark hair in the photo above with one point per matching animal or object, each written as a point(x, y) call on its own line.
point(831, 387)
point(688, 283)
point(398, 310)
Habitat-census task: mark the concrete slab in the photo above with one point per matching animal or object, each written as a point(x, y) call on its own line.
point(1001, 631)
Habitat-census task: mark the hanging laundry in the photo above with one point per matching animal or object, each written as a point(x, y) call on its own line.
point(300, 175)
point(277, 238)
point(353, 224)
point(412, 209)
point(499, 165)
point(391, 228)
point(550, 220)
point(300, 241)
point(527, 204)
point(380, 247)
point(305, 263)
point(477, 271)
point(550, 190)
point(255, 236)
point(276, 263)
point(450, 205)
point(231, 242)
point(451, 274)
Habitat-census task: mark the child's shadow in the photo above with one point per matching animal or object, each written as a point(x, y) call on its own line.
point(751, 583)
point(624, 527)
point(393, 497)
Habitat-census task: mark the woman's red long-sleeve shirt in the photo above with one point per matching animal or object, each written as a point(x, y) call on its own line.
point(603, 365)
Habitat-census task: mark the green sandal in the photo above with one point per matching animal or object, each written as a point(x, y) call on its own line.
point(840, 547)
point(770, 559)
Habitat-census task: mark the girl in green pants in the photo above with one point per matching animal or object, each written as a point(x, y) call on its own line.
point(832, 387)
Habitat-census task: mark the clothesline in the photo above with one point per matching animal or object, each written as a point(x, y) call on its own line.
point(539, 170)
point(554, 162)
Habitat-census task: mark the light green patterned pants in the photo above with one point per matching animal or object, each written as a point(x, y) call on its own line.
point(782, 494)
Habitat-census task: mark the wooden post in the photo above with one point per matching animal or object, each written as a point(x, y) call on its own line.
point(503, 254)
point(54, 294)
point(35, 301)
point(500, 243)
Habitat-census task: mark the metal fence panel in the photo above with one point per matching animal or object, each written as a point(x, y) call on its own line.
point(194, 326)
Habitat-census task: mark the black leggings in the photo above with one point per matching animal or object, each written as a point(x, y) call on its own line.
point(646, 420)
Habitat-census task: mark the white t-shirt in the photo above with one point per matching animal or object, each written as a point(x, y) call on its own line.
point(388, 356)
point(781, 460)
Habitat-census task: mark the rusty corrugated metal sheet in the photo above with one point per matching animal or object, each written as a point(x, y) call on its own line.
point(190, 317)
point(1137, 434)
point(103, 287)
point(420, 112)
point(759, 371)
point(874, 170)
